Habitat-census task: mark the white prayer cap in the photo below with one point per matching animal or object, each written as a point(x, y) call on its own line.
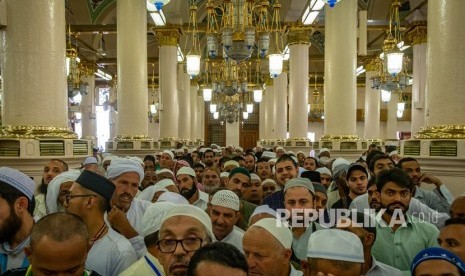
point(255, 177)
point(268, 154)
point(202, 150)
point(193, 212)
point(339, 165)
point(165, 183)
point(295, 159)
point(152, 219)
point(170, 153)
point(329, 243)
point(164, 171)
point(179, 151)
point(280, 148)
point(123, 165)
point(227, 199)
point(394, 152)
point(224, 174)
point(53, 188)
point(231, 163)
point(273, 160)
point(263, 209)
point(149, 192)
point(239, 149)
point(137, 159)
point(216, 150)
point(269, 180)
point(89, 160)
point(300, 152)
point(324, 150)
point(324, 170)
point(173, 198)
point(290, 152)
point(299, 182)
point(186, 170)
point(281, 233)
point(18, 180)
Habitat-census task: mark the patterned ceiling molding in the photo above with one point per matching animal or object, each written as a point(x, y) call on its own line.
point(96, 7)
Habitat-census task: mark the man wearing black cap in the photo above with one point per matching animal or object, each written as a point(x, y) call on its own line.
point(89, 198)
point(357, 181)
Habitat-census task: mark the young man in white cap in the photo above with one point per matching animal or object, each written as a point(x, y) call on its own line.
point(224, 213)
point(334, 252)
point(267, 248)
point(167, 160)
point(325, 176)
point(126, 213)
point(299, 196)
point(184, 230)
point(253, 191)
point(91, 164)
point(279, 152)
point(187, 185)
point(89, 197)
point(261, 212)
point(16, 207)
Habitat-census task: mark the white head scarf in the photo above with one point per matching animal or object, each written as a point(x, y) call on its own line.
point(149, 192)
point(123, 165)
point(53, 189)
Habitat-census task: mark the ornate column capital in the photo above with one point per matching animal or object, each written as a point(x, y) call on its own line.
point(371, 64)
point(416, 33)
point(298, 34)
point(168, 35)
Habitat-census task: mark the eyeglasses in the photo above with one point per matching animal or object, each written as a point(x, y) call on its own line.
point(68, 196)
point(188, 244)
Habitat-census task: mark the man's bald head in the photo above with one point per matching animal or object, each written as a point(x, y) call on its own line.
point(51, 226)
point(457, 208)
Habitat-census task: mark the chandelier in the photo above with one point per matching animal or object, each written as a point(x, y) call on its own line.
point(391, 66)
point(231, 109)
point(316, 106)
point(153, 114)
point(76, 71)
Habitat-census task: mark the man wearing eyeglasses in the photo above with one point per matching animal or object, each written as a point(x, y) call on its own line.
point(89, 198)
point(184, 230)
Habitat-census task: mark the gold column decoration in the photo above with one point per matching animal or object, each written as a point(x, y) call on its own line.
point(371, 65)
point(333, 138)
point(416, 33)
point(298, 34)
point(441, 132)
point(168, 36)
point(36, 132)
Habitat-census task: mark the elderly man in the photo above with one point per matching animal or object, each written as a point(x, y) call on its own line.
point(439, 199)
point(299, 196)
point(269, 186)
point(89, 197)
point(253, 192)
point(167, 160)
point(187, 185)
point(126, 213)
point(211, 179)
point(452, 237)
point(224, 213)
point(184, 230)
point(286, 168)
point(48, 233)
point(457, 208)
point(324, 254)
point(400, 236)
point(437, 262)
point(365, 228)
point(237, 180)
point(16, 206)
point(267, 248)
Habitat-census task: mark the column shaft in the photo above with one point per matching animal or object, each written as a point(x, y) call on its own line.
point(194, 119)
point(33, 64)
point(372, 109)
point(445, 83)
point(391, 122)
point(268, 111)
point(201, 121)
point(418, 87)
point(184, 102)
point(298, 91)
point(340, 64)
point(279, 128)
point(132, 68)
point(89, 122)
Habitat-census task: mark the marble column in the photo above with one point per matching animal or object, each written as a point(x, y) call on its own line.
point(340, 65)
point(89, 117)
point(201, 121)
point(262, 119)
point(113, 122)
point(445, 113)
point(372, 107)
point(132, 68)
point(184, 103)
point(279, 127)
point(194, 119)
point(33, 66)
point(391, 122)
point(268, 96)
point(168, 39)
point(298, 41)
point(416, 35)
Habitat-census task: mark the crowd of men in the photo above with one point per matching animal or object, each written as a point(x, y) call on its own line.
point(226, 211)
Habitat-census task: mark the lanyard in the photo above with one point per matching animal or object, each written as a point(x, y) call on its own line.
point(154, 268)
